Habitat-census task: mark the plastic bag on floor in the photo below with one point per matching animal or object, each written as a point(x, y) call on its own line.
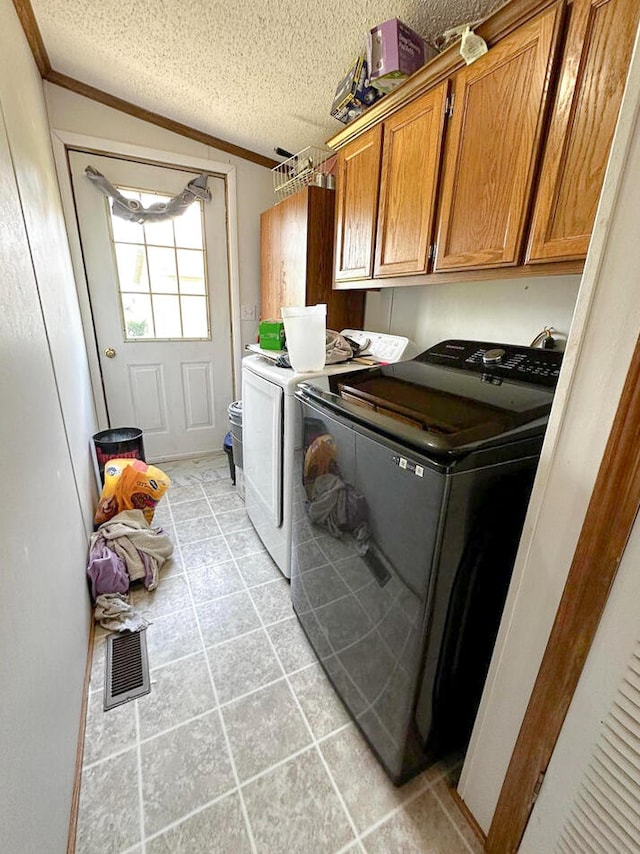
point(130, 485)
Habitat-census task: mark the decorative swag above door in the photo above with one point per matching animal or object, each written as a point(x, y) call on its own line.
point(133, 211)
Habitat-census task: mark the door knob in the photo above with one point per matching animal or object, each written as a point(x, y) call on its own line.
point(110, 353)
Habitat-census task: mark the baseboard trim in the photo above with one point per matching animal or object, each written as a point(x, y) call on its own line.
point(468, 816)
point(77, 779)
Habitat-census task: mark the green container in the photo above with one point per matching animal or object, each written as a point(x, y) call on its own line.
point(272, 334)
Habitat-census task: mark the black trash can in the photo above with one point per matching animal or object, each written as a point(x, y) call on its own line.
point(227, 447)
point(119, 443)
point(235, 420)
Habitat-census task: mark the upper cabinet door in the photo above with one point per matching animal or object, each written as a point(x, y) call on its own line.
point(491, 150)
point(358, 176)
point(410, 164)
point(594, 69)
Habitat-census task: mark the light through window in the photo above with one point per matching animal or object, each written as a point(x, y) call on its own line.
point(161, 269)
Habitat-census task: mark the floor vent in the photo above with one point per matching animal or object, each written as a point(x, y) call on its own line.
point(126, 668)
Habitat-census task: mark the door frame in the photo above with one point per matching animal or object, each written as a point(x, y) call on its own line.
point(62, 142)
point(590, 567)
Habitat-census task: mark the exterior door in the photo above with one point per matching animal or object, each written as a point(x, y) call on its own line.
point(160, 302)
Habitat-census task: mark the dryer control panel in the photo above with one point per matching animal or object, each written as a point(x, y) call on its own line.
point(497, 361)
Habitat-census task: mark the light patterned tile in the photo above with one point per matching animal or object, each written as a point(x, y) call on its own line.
point(182, 770)
point(323, 585)
point(258, 568)
point(223, 619)
point(179, 691)
point(273, 600)
point(242, 665)
point(420, 827)
point(448, 768)
point(292, 647)
point(212, 582)
point(217, 829)
point(233, 520)
point(205, 553)
point(222, 502)
point(97, 663)
point(162, 517)
point(219, 486)
point(171, 567)
point(190, 510)
point(171, 595)
point(193, 530)
point(109, 732)
point(443, 793)
point(315, 824)
point(180, 494)
point(173, 636)
point(109, 815)
point(368, 793)
point(244, 543)
point(264, 728)
point(319, 701)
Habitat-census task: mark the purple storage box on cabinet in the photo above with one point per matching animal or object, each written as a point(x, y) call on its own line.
point(394, 51)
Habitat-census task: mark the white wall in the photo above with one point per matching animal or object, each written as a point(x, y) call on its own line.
point(71, 112)
point(601, 342)
point(46, 421)
point(511, 311)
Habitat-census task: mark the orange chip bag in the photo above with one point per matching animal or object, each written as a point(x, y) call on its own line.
point(130, 485)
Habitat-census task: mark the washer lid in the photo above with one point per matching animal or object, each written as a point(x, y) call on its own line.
point(444, 404)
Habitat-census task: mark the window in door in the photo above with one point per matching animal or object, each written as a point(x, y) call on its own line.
point(161, 274)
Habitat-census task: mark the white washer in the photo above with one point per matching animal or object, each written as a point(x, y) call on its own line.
point(271, 431)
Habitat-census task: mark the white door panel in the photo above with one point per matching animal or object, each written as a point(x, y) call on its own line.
point(594, 772)
point(175, 389)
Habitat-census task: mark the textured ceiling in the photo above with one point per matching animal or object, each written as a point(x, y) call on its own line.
point(259, 74)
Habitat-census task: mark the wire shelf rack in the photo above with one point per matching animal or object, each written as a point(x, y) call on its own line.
point(312, 165)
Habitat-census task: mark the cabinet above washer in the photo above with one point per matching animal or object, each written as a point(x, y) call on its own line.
point(504, 180)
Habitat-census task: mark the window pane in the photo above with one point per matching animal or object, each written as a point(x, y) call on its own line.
point(162, 270)
point(123, 231)
point(194, 317)
point(138, 320)
point(132, 267)
point(167, 316)
point(159, 233)
point(191, 270)
point(188, 227)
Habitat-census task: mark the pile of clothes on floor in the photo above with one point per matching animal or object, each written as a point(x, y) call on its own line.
point(125, 548)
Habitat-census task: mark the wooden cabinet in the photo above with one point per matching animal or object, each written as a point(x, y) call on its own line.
point(296, 244)
point(400, 159)
point(492, 145)
point(525, 149)
point(411, 147)
point(594, 69)
point(357, 182)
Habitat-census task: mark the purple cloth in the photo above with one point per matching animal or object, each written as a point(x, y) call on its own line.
point(108, 572)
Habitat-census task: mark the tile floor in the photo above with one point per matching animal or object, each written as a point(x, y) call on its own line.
point(241, 746)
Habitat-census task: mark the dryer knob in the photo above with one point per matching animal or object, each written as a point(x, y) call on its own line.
point(493, 357)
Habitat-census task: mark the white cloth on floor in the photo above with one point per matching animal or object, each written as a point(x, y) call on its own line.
point(113, 612)
point(128, 534)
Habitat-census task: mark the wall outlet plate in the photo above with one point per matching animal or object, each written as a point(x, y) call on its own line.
point(248, 312)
